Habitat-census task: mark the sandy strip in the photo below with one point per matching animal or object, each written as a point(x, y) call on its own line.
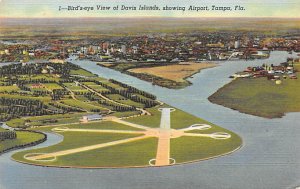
point(82, 149)
point(163, 149)
point(99, 131)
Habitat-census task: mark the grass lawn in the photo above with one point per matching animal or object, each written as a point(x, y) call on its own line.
point(17, 122)
point(89, 83)
point(47, 77)
point(138, 153)
point(131, 154)
point(118, 87)
point(37, 120)
point(73, 87)
point(96, 87)
point(179, 119)
point(52, 86)
point(185, 149)
point(22, 138)
point(83, 105)
point(81, 72)
point(93, 125)
point(82, 139)
point(260, 97)
point(123, 100)
point(45, 99)
point(125, 114)
point(9, 88)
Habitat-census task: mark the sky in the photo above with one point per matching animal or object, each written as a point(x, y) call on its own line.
point(50, 8)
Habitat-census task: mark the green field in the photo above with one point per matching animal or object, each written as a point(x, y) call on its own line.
point(22, 138)
point(52, 86)
point(45, 99)
point(82, 72)
point(38, 120)
point(92, 125)
point(96, 87)
point(47, 77)
point(73, 87)
point(137, 153)
point(179, 119)
point(9, 88)
point(81, 104)
point(201, 148)
point(125, 114)
point(260, 97)
point(123, 100)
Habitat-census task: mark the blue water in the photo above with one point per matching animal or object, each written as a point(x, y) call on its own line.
point(269, 158)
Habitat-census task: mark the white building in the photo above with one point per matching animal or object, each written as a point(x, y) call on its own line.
point(237, 44)
point(92, 117)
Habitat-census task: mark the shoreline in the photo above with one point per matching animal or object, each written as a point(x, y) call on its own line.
point(257, 101)
point(26, 145)
point(130, 167)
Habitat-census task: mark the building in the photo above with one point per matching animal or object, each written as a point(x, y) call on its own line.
point(92, 117)
point(37, 86)
point(237, 44)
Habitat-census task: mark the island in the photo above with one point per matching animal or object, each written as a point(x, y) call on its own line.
point(172, 76)
point(268, 91)
point(103, 123)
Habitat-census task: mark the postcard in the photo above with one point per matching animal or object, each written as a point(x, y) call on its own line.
point(122, 94)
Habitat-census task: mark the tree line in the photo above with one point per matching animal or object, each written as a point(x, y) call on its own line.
point(8, 135)
point(134, 90)
point(15, 107)
point(43, 139)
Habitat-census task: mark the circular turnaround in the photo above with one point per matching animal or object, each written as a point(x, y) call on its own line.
point(200, 126)
point(151, 162)
point(220, 135)
point(172, 161)
point(32, 157)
